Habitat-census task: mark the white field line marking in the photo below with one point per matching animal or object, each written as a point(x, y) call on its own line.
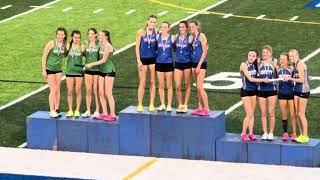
point(294, 18)
point(47, 7)
point(23, 145)
point(97, 11)
point(132, 44)
point(162, 13)
point(261, 16)
point(67, 9)
point(27, 12)
point(238, 104)
point(318, 5)
point(227, 15)
point(5, 7)
point(130, 12)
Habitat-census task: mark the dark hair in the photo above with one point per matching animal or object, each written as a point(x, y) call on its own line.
point(152, 16)
point(166, 22)
point(107, 33)
point(72, 34)
point(197, 23)
point(92, 29)
point(255, 62)
point(185, 23)
point(65, 34)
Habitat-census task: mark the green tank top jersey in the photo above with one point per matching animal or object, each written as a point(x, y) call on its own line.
point(92, 55)
point(74, 63)
point(109, 65)
point(54, 59)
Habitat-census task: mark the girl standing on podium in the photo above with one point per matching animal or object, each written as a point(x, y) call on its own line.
point(164, 65)
point(267, 92)
point(301, 92)
point(92, 75)
point(52, 68)
point(285, 96)
point(146, 53)
point(182, 68)
point(248, 92)
point(74, 73)
point(106, 77)
point(199, 66)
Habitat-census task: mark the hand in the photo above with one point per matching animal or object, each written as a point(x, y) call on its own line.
point(88, 66)
point(287, 78)
point(140, 65)
point(198, 69)
point(266, 80)
point(44, 74)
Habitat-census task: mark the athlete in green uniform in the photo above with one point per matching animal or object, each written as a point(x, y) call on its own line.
point(52, 68)
point(74, 74)
point(107, 74)
point(91, 75)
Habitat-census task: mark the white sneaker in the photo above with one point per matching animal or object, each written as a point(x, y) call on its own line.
point(270, 137)
point(54, 114)
point(86, 114)
point(264, 136)
point(95, 114)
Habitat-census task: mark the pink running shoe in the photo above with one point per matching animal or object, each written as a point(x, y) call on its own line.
point(204, 112)
point(110, 118)
point(252, 137)
point(245, 138)
point(285, 137)
point(102, 116)
point(293, 137)
point(196, 111)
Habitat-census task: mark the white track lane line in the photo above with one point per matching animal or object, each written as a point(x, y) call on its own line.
point(294, 18)
point(130, 12)
point(227, 15)
point(261, 16)
point(97, 11)
point(162, 13)
point(67, 9)
point(27, 12)
point(5, 7)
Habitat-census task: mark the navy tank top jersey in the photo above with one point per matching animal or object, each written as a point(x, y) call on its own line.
point(301, 87)
point(285, 87)
point(183, 49)
point(165, 50)
point(246, 84)
point(148, 45)
point(197, 50)
point(266, 71)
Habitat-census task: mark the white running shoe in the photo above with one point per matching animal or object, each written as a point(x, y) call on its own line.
point(86, 114)
point(270, 137)
point(54, 114)
point(264, 136)
point(95, 114)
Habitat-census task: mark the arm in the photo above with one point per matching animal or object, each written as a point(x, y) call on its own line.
point(300, 67)
point(107, 50)
point(204, 44)
point(138, 41)
point(245, 71)
point(45, 54)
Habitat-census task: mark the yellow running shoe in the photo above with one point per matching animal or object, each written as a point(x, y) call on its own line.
point(76, 114)
point(161, 107)
point(69, 114)
point(139, 108)
point(151, 108)
point(169, 108)
point(179, 109)
point(303, 139)
point(184, 108)
point(299, 138)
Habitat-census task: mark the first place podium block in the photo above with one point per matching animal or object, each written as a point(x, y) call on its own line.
point(182, 135)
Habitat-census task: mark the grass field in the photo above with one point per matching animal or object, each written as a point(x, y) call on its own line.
point(229, 40)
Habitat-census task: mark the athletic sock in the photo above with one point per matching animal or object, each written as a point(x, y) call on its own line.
point(285, 125)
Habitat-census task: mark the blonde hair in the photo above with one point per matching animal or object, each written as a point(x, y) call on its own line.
point(295, 51)
point(268, 47)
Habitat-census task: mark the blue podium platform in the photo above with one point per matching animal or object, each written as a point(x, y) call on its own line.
point(72, 134)
point(163, 134)
point(230, 148)
point(177, 135)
